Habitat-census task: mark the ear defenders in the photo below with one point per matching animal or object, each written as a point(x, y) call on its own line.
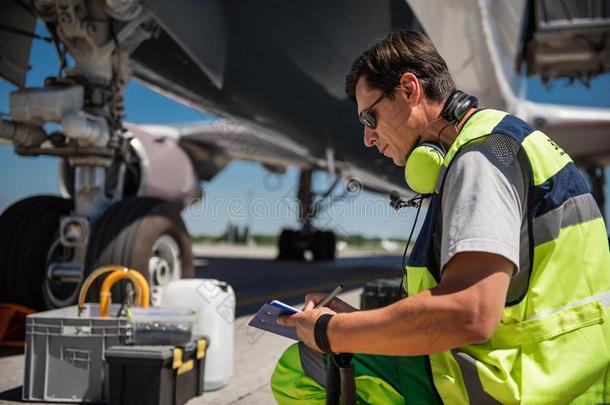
point(457, 105)
point(423, 167)
point(424, 162)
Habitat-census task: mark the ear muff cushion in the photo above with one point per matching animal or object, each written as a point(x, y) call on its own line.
point(422, 169)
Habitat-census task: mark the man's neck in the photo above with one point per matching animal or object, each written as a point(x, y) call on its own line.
point(442, 131)
point(464, 119)
point(439, 130)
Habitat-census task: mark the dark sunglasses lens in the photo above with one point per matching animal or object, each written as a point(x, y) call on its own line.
point(368, 119)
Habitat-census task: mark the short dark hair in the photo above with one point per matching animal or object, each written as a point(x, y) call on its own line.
point(403, 51)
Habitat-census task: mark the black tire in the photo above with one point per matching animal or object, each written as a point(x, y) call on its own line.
point(323, 245)
point(288, 246)
point(27, 230)
point(126, 233)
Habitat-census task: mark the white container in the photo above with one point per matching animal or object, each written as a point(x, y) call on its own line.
point(214, 302)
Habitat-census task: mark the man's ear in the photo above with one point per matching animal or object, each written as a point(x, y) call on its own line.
point(410, 85)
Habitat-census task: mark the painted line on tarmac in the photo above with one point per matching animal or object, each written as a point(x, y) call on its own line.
point(314, 288)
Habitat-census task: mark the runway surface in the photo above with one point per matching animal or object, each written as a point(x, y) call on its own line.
point(256, 278)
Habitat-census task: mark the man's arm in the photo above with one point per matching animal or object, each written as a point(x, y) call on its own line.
point(483, 200)
point(464, 308)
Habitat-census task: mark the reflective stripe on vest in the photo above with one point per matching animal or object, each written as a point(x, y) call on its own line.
point(468, 367)
point(576, 210)
point(553, 322)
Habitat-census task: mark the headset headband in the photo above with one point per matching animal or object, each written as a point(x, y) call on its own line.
point(457, 105)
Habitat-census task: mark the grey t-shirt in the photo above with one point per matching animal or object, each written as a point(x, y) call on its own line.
point(483, 201)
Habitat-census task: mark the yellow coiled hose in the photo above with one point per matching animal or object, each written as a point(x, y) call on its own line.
point(118, 273)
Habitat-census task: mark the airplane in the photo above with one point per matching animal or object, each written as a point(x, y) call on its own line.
point(273, 71)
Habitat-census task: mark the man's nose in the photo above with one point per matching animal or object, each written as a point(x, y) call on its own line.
point(370, 137)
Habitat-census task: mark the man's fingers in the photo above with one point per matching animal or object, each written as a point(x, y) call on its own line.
point(315, 297)
point(309, 306)
point(286, 320)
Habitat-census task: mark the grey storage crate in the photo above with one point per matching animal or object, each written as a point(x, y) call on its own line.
point(64, 356)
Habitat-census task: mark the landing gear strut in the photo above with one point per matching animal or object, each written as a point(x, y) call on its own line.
point(48, 245)
point(293, 244)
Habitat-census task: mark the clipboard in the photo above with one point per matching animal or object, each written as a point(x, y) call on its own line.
point(266, 319)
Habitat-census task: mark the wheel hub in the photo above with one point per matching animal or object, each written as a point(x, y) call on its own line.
point(161, 270)
point(63, 275)
point(164, 266)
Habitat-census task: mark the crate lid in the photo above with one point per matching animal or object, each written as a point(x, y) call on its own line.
point(149, 352)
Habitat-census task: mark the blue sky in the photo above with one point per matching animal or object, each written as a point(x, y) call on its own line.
point(362, 213)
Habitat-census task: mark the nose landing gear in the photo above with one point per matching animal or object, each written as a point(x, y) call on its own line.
point(292, 244)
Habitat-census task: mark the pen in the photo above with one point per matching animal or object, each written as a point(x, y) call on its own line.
point(330, 296)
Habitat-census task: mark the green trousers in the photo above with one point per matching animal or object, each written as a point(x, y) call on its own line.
point(299, 378)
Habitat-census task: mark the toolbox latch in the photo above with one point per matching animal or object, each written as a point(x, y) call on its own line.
point(177, 358)
point(201, 346)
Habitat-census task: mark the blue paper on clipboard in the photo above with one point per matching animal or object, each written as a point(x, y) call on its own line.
point(266, 319)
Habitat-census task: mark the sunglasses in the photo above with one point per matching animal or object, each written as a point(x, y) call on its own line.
point(367, 117)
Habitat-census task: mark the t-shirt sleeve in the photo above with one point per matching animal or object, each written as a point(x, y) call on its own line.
point(482, 202)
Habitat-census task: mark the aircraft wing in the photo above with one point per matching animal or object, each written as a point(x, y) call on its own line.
point(212, 144)
point(279, 76)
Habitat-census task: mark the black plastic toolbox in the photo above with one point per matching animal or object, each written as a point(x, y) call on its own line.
point(166, 375)
point(380, 293)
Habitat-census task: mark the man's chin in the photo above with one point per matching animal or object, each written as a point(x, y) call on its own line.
point(399, 161)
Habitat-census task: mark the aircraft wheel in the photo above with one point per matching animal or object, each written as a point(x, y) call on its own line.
point(28, 229)
point(289, 248)
point(146, 234)
point(324, 245)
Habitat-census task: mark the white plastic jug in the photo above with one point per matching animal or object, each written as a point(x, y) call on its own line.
point(214, 302)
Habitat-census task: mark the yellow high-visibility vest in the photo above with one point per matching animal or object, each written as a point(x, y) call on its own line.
point(553, 341)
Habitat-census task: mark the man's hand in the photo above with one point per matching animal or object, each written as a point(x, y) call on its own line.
point(336, 304)
point(304, 322)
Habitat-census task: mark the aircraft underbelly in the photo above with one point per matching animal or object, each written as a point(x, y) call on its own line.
point(283, 70)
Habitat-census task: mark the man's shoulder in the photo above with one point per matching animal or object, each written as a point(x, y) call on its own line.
point(487, 166)
point(496, 149)
point(506, 124)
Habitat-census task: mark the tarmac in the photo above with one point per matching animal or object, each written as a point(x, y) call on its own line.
point(256, 277)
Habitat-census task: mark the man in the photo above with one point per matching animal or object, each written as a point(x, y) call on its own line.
point(509, 280)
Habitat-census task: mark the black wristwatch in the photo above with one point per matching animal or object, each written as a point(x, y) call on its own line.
point(319, 333)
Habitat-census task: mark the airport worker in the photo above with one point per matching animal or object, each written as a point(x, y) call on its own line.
point(509, 280)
